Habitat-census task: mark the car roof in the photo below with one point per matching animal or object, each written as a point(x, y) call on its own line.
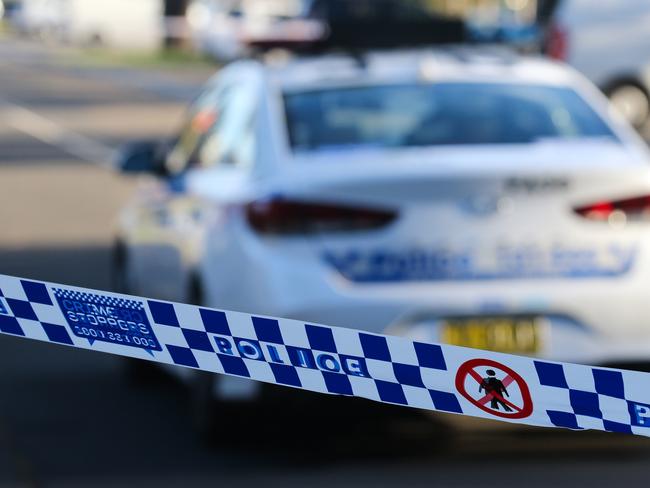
point(482, 64)
point(457, 63)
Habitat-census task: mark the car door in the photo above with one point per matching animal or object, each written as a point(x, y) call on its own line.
point(214, 150)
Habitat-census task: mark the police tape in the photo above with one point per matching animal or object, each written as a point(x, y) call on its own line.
point(330, 360)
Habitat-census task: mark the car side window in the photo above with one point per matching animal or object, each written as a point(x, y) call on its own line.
point(231, 139)
point(202, 115)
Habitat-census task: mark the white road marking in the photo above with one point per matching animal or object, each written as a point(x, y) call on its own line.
point(50, 132)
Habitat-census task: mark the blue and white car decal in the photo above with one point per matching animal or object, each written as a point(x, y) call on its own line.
point(509, 262)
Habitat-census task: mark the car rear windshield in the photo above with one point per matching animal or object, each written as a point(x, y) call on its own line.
point(438, 114)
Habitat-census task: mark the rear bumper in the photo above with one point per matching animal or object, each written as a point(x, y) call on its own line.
point(563, 340)
point(589, 320)
point(590, 324)
point(573, 330)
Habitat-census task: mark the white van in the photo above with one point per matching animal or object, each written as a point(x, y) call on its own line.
point(608, 41)
point(121, 24)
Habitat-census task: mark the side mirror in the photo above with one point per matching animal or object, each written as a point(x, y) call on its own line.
point(142, 157)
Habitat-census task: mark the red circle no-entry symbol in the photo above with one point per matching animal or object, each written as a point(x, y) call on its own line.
point(492, 393)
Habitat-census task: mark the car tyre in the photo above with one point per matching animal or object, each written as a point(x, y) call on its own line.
point(137, 372)
point(119, 282)
point(204, 407)
point(632, 101)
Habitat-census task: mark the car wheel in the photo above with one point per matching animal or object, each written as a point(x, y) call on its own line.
point(632, 102)
point(135, 371)
point(119, 282)
point(139, 373)
point(204, 407)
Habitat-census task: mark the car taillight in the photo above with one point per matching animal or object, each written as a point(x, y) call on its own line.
point(636, 208)
point(279, 216)
point(557, 42)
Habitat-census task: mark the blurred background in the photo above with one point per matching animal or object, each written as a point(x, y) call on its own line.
point(80, 78)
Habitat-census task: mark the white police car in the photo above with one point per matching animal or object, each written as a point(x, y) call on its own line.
point(458, 195)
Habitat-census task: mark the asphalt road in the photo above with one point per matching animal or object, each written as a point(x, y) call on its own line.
point(69, 418)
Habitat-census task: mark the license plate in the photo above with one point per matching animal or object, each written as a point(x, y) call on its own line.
point(522, 335)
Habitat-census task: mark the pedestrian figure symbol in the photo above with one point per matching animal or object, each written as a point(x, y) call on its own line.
point(495, 390)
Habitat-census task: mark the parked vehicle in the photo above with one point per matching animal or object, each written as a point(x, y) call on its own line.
point(228, 30)
point(123, 24)
point(473, 197)
point(609, 42)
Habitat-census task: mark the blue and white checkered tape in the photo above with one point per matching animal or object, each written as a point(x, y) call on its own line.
point(330, 359)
